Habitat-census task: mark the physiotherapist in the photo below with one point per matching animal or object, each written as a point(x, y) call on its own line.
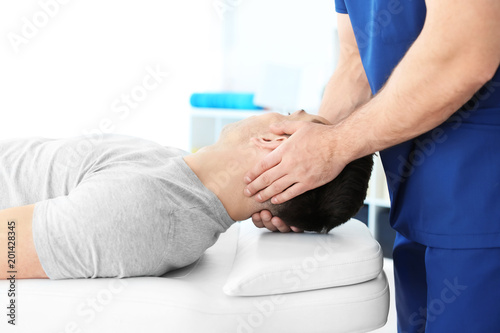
point(418, 81)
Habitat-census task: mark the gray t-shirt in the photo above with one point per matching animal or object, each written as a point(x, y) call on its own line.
point(116, 207)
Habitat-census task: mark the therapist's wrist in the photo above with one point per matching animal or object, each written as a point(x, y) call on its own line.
point(348, 143)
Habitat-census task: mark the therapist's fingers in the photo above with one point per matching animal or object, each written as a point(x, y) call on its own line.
point(257, 220)
point(287, 127)
point(268, 184)
point(290, 193)
point(277, 223)
point(266, 218)
point(295, 229)
point(280, 225)
point(278, 186)
point(258, 177)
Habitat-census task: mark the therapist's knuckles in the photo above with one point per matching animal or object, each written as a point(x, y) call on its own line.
point(266, 179)
point(266, 215)
point(256, 217)
point(259, 224)
point(263, 165)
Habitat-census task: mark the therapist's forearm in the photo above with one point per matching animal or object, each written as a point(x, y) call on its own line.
point(346, 90)
point(348, 87)
point(440, 72)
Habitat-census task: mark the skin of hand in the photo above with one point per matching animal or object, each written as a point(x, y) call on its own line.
point(297, 162)
point(375, 125)
point(316, 156)
point(265, 219)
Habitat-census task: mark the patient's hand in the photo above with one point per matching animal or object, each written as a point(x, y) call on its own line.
point(264, 219)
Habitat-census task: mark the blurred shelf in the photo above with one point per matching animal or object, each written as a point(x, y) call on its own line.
point(225, 113)
point(380, 202)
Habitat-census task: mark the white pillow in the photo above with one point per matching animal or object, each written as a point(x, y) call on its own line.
point(268, 263)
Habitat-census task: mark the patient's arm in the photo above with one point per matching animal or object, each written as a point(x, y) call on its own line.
point(16, 223)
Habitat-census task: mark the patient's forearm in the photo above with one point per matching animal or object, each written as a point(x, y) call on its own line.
point(18, 256)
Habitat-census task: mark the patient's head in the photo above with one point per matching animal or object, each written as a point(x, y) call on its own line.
point(320, 209)
point(332, 204)
point(241, 145)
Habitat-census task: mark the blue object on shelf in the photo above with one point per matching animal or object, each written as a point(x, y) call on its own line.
point(226, 100)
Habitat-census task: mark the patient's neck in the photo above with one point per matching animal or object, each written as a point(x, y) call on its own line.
point(221, 170)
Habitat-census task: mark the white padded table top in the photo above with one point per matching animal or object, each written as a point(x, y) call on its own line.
point(192, 300)
point(269, 263)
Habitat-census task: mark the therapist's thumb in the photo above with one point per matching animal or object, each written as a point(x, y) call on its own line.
point(286, 127)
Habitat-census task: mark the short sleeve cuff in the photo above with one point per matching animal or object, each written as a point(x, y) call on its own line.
point(42, 241)
point(340, 7)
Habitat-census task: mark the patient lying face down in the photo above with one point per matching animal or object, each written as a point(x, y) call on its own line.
point(122, 206)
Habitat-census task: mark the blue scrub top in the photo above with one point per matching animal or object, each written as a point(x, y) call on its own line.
point(445, 184)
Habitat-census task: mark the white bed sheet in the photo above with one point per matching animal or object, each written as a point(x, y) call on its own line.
point(192, 300)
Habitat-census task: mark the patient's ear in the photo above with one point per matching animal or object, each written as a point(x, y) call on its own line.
point(269, 143)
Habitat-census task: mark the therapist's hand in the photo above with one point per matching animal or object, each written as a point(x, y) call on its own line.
point(309, 158)
point(265, 219)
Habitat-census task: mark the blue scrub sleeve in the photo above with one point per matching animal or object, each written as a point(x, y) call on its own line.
point(340, 6)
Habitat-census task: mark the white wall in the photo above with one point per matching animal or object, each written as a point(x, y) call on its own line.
point(299, 35)
point(67, 66)
point(70, 76)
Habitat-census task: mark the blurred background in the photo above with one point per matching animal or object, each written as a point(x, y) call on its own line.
point(84, 67)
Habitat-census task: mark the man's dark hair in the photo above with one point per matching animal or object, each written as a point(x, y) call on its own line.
point(332, 204)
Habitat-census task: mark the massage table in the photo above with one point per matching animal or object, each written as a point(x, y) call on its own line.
point(251, 280)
